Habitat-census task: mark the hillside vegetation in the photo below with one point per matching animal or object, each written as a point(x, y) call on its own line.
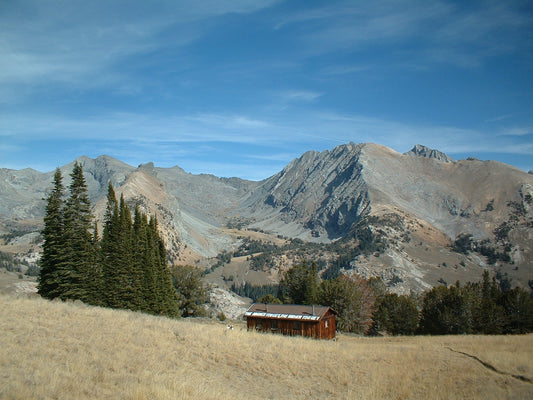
point(70, 350)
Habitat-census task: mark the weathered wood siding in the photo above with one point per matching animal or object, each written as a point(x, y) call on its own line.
point(324, 328)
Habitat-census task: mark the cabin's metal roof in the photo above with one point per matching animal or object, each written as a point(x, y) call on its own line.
point(287, 311)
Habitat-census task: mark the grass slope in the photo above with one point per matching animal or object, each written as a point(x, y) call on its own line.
point(53, 350)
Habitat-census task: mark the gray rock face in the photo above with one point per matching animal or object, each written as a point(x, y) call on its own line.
point(323, 192)
point(320, 196)
point(423, 151)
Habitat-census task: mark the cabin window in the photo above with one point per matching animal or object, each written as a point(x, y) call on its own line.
point(274, 324)
point(326, 323)
point(297, 325)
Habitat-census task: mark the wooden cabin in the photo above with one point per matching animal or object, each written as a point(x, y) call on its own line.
point(295, 320)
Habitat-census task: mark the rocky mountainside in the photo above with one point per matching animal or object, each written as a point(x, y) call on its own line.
point(320, 195)
point(415, 205)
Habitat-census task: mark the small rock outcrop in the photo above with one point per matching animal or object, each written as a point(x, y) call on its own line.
point(423, 151)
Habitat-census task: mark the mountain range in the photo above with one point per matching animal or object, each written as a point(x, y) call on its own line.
point(414, 219)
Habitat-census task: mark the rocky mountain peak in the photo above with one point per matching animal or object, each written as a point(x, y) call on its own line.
point(319, 196)
point(423, 151)
point(322, 196)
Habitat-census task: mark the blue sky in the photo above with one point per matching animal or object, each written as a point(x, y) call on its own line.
point(242, 87)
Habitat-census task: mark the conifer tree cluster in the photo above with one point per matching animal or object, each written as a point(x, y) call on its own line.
point(485, 307)
point(489, 306)
point(126, 268)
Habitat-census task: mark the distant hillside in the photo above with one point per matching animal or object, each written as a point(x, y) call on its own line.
point(404, 212)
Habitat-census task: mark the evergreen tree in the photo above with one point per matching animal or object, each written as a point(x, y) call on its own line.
point(122, 281)
point(299, 284)
point(96, 276)
point(445, 311)
point(518, 305)
point(311, 285)
point(74, 271)
point(165, 296)
point(353, 299)
point(488, 314)
point(155, 289)
point(269, 299)
point(144, 256)
point(53, 246)
point(192, 295)
point(126, 269)
point(110, 248)
point(397, 315)
point(129, 269)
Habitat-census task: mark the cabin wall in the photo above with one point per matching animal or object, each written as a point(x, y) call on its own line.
point(322, 329)
point(328, 327)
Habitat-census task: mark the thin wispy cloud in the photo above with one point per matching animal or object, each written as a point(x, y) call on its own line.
point(81, 43)
point(299, 95)
point(499, 118)
point(428, 31)
point(517, 131)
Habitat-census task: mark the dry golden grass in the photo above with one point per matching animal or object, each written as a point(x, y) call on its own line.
point(53, 350)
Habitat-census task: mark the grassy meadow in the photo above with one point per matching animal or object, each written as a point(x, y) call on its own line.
point(54, 350)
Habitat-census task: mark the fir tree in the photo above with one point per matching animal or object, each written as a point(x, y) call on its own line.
point(299, 284)
point(75, 269)
point(96, 274)
point(445, 311)
point(396, 314)
point(130, 281)
point(126, 269)
point(518, 305)
point(134, 262)
point(488, 312)
point(165, 296)
point(353, 299)
point(187, 281)
point(144, 255)
point(109, 249)
point(53, 245)
point(117, 255)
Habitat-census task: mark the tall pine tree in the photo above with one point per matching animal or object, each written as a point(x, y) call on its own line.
point(116, 248)
point(75, 270)
point(53, 246)
point(134, 262)
point(165, 296)
point(144, 256)
point(127, 268)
